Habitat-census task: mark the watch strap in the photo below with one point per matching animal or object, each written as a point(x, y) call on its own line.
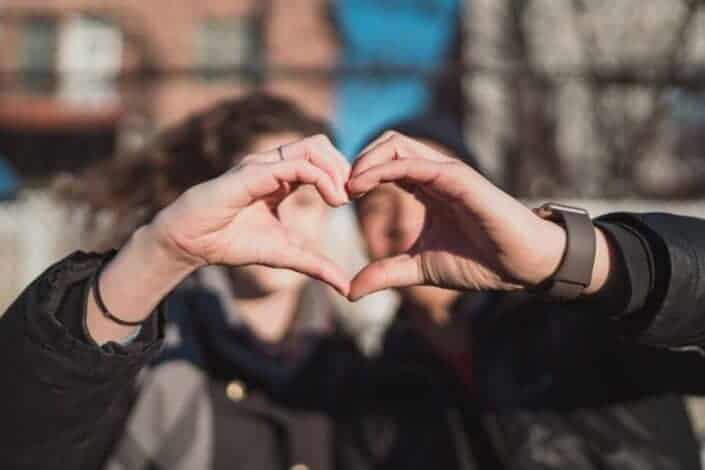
point(574, 272)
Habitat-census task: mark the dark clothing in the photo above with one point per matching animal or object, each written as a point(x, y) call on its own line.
point(279, 414)
point(550, 390)
point(62, 403)
point(554, 386)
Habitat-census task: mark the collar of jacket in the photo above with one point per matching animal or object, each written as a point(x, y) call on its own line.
point(231, 350)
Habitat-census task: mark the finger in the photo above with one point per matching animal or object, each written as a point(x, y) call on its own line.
point(262, 180)
point(316, 149)
point(343, 163)
point(383, 149)
point(393, 147)
point(314, 265)
point(384, 137)
point(321, 152)
point(304, 172)
point(452, 180)
point(399, 271)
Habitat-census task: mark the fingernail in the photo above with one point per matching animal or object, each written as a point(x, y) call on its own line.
point(346, 198)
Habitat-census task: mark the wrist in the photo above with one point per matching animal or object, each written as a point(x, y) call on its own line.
point(132, 285)
point(553, 239)
point(602, 267)
point(156, 239)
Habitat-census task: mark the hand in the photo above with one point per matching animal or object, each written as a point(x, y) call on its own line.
point(475, 236)
point(232, 219)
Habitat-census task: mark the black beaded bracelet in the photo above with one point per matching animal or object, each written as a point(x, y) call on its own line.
point(95, 284)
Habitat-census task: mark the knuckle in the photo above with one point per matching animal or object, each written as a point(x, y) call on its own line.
point(400, 142)
point(252, 158)
point(245, 169)
point(320, 139)
point(400, 138)
point(396, 138)
point(306, 165)
point(190, 195)
point(458, 165)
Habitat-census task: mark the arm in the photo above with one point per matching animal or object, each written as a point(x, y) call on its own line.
point(476, 237)
point(63, 397)
point(659, 277)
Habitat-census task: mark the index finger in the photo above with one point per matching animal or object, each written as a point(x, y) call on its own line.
point(447, 179)
point(394, 146)
point(320, 151)
point(242, 186)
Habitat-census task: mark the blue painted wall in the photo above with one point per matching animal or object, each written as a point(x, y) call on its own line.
point(9, 183)
point(408, 33)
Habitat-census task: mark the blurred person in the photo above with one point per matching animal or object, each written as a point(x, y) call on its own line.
point(503, 380)
point(76, 339)
point(253, 354)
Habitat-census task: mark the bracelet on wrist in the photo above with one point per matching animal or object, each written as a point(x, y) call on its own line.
point(95, 287)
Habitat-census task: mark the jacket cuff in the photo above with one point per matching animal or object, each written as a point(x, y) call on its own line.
point(673, 314)
point(61, 302)
point(629, 293)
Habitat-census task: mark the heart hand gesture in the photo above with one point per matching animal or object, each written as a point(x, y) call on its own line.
point(474, 237)
point(232, 219)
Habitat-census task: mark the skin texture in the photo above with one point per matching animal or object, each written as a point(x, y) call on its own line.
point(473, 237)
point(303, 212)
point(391, 220)
point(230, 220)
point(267, 298)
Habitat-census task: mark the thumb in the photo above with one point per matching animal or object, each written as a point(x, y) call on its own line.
point(312, 264)
point(398, 271)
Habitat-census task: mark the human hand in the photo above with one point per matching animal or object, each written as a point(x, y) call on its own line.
point(474, 237)
point(233, 219)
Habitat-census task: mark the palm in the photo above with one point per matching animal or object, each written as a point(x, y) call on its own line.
point(212, 234)
point(457, 249)
point(253, 236)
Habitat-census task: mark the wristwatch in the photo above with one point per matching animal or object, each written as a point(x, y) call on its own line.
point(574, 272)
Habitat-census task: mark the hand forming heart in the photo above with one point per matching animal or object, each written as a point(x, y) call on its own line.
point(475, 236)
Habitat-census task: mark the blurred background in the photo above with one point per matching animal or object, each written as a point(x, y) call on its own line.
point(596, 100)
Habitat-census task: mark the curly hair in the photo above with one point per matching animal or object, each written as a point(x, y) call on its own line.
point(134, 187)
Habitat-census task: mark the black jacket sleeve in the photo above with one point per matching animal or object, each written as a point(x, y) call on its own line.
point(654, 315)
point(663, 298)
point(63, 398)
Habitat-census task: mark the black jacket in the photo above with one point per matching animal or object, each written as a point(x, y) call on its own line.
point(65, 400)
point(550, 389)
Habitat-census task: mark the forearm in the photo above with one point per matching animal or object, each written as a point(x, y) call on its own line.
point(64, 392)
point(133, 283)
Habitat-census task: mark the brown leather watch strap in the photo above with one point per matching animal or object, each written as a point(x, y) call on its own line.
point(574, 272)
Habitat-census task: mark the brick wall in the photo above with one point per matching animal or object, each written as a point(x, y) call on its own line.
point(164, 34)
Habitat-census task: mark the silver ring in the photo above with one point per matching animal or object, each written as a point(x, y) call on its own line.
point(281, 152)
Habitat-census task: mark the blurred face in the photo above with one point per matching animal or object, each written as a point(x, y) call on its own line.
point(391, 220)
point(303, 211)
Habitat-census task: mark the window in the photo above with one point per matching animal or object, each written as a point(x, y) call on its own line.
point(90, 54)
point(37, 52)
point(227, 43)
